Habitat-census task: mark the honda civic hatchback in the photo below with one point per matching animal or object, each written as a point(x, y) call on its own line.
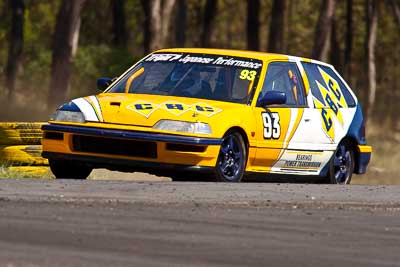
point(227, 113)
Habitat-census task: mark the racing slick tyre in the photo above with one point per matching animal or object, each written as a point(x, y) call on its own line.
point(232, 159)
point(69, 170)
point(342, 164)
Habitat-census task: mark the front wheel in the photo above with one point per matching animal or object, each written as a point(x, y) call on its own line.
point(232, 159)
point(342, 164)
point(69, 170)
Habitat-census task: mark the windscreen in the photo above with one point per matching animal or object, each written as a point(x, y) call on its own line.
point(202, 76)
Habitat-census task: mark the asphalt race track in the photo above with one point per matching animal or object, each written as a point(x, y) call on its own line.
point(125, 223)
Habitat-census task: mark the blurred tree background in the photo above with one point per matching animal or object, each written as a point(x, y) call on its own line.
point(54, 50)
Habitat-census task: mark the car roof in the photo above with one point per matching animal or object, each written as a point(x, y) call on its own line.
point(233, 52)
point(241, 53)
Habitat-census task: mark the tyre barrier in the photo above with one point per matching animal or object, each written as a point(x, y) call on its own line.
point(21, 149)
point(22, 155)
point(20, 133)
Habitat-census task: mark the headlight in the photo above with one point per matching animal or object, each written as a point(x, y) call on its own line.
point(71, 116)
point(183, 126)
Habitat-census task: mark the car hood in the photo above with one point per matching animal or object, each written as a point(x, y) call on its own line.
point(147, 110)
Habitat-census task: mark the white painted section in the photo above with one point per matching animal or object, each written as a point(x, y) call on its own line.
point(294, 59)
point(302, 162)
point(309, 131)
point(321, 63)
point(86, 108)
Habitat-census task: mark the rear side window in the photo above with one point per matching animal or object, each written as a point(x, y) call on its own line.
point(323, 76)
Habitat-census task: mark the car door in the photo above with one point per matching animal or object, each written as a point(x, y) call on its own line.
point(276, 124)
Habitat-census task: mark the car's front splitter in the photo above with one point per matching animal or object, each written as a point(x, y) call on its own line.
point(126, 164)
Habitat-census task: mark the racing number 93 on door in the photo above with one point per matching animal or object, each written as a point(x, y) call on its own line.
point(223, 112)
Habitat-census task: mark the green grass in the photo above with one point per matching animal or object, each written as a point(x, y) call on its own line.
point(25, 172)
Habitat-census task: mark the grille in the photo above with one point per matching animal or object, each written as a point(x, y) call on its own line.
point(53, 136)
point(113, 146)
point(185, 148)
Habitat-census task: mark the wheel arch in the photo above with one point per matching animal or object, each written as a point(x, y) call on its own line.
point(242, 132)
point(352, 141)
point(221, 175)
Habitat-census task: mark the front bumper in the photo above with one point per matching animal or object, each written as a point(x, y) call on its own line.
point(103, 147)
point(364, 156)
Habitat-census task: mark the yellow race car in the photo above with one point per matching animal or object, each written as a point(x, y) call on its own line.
point(223, 112)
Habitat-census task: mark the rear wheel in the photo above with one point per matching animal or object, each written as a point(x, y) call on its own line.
point(69, 170)
point(232, 159)
point(342, 164)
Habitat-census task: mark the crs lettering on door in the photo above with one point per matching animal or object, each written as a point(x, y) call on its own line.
point(332, 102)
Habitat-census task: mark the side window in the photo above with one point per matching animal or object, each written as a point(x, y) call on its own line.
point(315, 74)
point(284, 77)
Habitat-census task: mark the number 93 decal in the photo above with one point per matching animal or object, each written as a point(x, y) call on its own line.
point(272, 127)
point(248, 75)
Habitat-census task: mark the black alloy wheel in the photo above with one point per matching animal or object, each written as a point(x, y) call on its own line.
point(232, 159)
point(342, 164)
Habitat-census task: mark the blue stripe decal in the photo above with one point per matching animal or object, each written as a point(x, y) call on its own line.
point(123, 134)
point(363, 162)
point(70, 106)
point(355, 129)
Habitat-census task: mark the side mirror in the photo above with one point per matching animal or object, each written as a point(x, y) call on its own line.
point(273, 98)
point(103, 83)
